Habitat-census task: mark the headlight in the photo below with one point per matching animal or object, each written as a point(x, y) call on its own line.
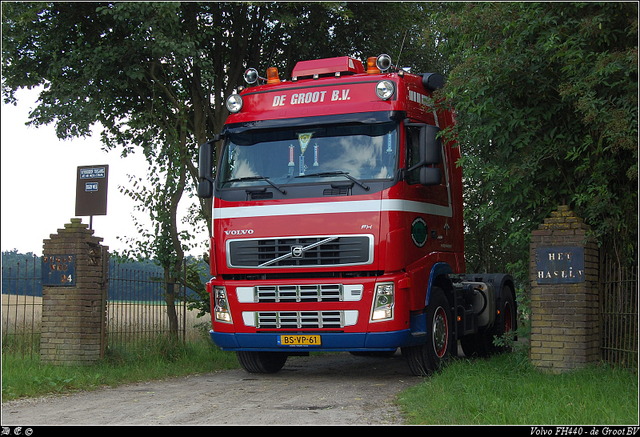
point(385, 89)
point(221, 305)
point(234, 103)
point(383, 302)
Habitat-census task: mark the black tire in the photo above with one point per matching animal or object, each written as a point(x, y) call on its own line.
point(507, 320)
point(261, 362)
point(481, 343)
point(427, 358)
point(476, 345)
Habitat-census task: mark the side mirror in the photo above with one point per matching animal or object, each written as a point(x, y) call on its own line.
point(205, 189)
point(430, 176)
point(205, 167)
point(430, 145)
point(432, 81)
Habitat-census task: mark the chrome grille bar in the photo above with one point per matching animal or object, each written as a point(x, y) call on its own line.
point(299, 293)
point(299, 319)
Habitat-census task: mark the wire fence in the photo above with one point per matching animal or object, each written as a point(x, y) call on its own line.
point(141, 306)
point(21, 306)
point(139, 309)
point(619, 313)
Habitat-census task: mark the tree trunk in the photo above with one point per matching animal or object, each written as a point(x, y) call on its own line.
point(170, 299)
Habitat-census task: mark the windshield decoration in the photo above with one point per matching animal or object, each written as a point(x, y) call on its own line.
point(362, 151)
point(389, 144)
point(302, 166)
point(304, 140)
point(292, 163)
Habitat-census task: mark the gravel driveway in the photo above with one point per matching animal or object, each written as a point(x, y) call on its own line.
point(330, 389)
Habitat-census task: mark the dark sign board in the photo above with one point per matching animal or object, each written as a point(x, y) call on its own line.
point(560, 265)
point(59, 270)
point(91, 190)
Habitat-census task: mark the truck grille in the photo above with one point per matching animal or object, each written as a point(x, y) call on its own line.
point(294, 320)
point(300, 251)
point(300, 293)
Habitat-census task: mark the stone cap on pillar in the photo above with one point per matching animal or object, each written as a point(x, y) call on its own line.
point(76, 230)
point(563, 219)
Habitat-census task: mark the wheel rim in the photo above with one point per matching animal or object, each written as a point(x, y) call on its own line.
point(440, 332)
point(508, 317)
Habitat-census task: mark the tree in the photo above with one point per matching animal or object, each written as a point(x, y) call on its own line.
point(546, 102)
point(21, 273)
point(155, 75)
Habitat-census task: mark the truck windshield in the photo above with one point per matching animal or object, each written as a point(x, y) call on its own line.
point(280, 157)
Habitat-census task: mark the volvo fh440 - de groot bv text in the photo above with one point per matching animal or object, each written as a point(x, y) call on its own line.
point(337, 221)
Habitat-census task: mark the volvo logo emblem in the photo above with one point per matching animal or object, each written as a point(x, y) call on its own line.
point(296, 251)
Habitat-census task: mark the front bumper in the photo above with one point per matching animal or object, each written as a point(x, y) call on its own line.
point(330, 342)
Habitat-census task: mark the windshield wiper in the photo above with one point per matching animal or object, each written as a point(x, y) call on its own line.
point(258, 178)
point(336, 172)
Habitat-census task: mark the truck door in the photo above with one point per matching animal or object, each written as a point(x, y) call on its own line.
point(429, 205)
point(437, 194)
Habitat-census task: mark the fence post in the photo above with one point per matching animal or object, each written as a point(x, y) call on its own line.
point(73, 296)
point(563, 273)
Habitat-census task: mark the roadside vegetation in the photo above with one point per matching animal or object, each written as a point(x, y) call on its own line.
point(156, 360)
point(502, 390)
point(507, 390)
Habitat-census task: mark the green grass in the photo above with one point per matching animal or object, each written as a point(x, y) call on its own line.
point(504, 389)
point(507, 390)
point(158, 359)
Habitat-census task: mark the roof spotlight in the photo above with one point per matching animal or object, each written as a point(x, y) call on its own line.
point(251, 75)
point(383, 62)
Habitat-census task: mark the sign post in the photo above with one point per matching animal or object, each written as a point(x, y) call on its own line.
point(91, 191)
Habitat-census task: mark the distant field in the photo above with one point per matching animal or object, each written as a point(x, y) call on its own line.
point(24, 313)
point(130, 318)
point(20, 313)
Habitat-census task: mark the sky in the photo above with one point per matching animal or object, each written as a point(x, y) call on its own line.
point(38, 182)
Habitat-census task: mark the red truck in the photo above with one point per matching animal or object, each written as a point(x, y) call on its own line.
point(338, 221)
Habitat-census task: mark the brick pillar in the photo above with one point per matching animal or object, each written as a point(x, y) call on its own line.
point(563, 273)
point(73, 296)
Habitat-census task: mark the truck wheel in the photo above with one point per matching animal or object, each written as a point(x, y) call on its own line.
point(426, 358)
point(261, 362)
point(508, 320)
point(476, 345)
point(481, 343)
